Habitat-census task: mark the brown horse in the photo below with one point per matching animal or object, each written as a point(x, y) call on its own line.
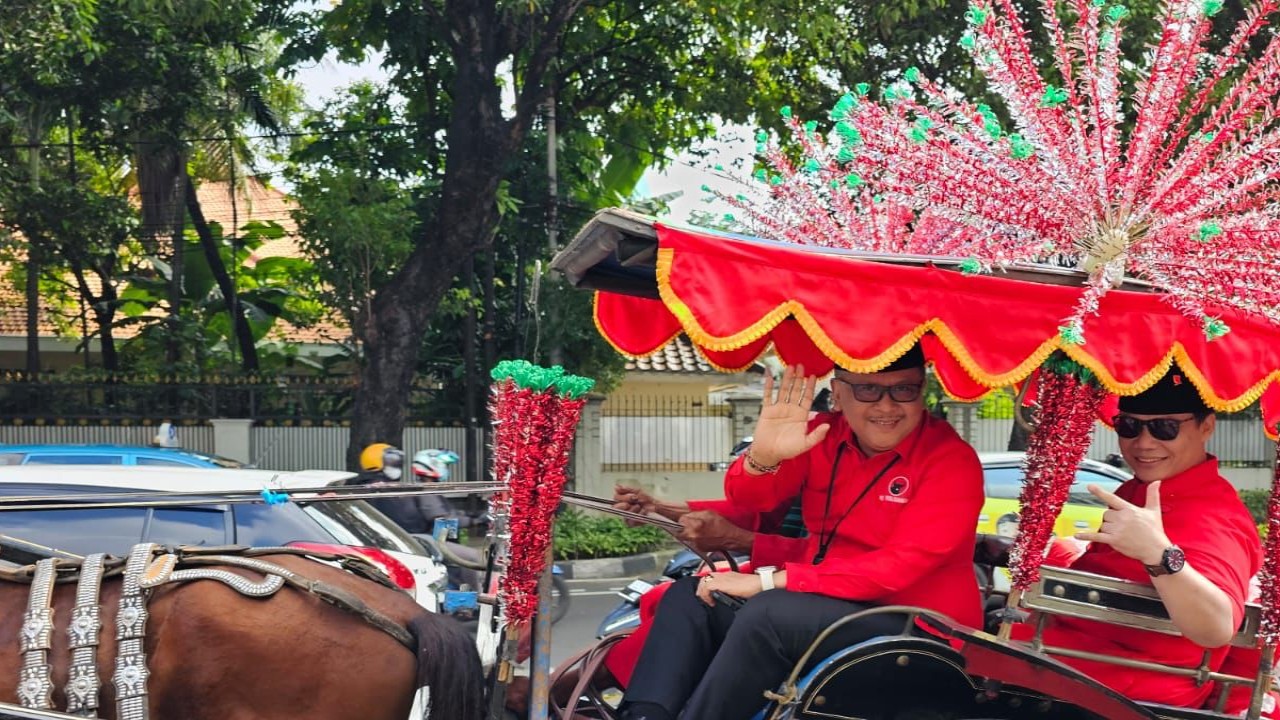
point(216, 654)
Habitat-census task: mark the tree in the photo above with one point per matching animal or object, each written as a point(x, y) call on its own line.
point(649, 75)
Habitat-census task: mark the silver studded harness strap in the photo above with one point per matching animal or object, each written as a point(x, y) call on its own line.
point(83, 631)
point(35, 686)
point(131, 624)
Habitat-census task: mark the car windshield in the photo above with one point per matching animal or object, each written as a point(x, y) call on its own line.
point(356, 522)
point(1006, 483)
point(116, 529)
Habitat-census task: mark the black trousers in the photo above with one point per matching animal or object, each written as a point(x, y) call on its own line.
point(715, 664)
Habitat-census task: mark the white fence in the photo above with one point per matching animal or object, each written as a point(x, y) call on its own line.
point(272, 448)
point(193, 437)
point(658, 442)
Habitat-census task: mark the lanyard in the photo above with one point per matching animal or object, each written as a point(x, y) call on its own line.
point(825, 539)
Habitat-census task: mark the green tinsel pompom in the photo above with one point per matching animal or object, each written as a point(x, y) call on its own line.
point(890, 93)
point(775, 180)
point(842, 107)
point(975, 16)
point(719, 167)
point(971, 266)
point(1207, 137)
point(740, 198)
point(706, 188)
point(853, 180)
point(812, 166)
point(1019, 148)
point(785, 112)
point(502, 371)
point(1097, 3)
point(761, 148)
point(728, 217)
point(1208, 230)
point(811, 127)
point(918, 135)
point(574, 386)
point(1211, 7)
point(862, 89)
point(1117, 13)
point(912, 74)
point(844, 155)
point(1105, 38)
point(1071, 334)
point(877, 199)
point(762, 136)
point(1053, 96)
point(968, 41)
point(1214, 328)
point(848, 133)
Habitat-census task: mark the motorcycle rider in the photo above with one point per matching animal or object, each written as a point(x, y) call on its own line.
point(381, 463)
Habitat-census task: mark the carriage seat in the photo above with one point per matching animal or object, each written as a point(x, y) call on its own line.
point(1118, 602)
point(1134, 605)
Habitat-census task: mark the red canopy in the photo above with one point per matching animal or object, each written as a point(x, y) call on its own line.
point(735, 296)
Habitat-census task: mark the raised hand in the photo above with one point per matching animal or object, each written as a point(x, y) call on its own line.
point(1135, 532)
point(782, 432)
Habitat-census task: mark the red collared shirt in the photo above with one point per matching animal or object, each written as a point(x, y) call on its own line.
point(908, 541)
point(1203, 515)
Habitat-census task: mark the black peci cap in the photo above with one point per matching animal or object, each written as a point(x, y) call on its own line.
point(913, 358)
point(1173, 393)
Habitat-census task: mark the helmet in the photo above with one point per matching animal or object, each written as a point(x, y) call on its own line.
point(384, 458)
point(433, 465)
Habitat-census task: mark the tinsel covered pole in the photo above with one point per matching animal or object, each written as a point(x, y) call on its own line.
point(1269, 631)
point(1069, 400)
point(535, 411)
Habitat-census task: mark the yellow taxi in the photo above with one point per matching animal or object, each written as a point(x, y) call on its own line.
point(1004, 478)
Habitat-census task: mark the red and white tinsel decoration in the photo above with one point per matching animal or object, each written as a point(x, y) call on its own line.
point(535, 411)
point(1068, 406)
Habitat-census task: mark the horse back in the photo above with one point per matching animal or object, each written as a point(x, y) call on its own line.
point(214, 653)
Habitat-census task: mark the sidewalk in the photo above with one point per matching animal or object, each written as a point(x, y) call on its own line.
point(645, 564)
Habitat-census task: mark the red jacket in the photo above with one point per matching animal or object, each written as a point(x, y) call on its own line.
point(1202, 514)
point(908, 541)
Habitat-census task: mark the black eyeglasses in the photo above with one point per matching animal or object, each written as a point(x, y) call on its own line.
point(871, 392)
point(1130, 427)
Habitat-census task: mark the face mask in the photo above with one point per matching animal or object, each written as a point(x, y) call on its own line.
point(392, 472)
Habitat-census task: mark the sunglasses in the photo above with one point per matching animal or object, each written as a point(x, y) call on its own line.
point(870, 392)
point(1130, 427)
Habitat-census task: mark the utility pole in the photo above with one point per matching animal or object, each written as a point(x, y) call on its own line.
point(553, 190)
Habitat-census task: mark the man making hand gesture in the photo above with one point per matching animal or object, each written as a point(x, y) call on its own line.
point(1179, 526)
point(890, 498)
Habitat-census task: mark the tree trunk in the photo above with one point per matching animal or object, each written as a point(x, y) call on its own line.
point(480, 145)
point(1018, 437)
point(33, 309)
point(470, 381)
point(239, 324)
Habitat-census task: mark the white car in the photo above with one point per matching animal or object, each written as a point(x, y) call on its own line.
point(116, 529)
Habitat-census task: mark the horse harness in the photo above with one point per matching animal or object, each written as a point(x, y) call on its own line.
point(147, 567)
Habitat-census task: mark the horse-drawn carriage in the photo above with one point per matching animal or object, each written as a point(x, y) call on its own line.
point(655, 281)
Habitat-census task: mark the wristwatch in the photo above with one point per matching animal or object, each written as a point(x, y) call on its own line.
point(766, 576)
point(1171, 562)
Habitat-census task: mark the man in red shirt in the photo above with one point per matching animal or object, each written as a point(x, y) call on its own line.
point(1179, 526)
point(890, 498)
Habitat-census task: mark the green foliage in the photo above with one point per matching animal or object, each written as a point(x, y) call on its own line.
point(997, 405)
point(579, 536)
point(1256, 501)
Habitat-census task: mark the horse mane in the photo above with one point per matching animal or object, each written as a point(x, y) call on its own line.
point(455, 677)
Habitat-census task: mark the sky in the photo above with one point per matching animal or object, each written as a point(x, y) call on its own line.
point(684, 172)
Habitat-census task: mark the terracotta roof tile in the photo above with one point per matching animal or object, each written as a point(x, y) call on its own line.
point(253, 201)
point(677, 356)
